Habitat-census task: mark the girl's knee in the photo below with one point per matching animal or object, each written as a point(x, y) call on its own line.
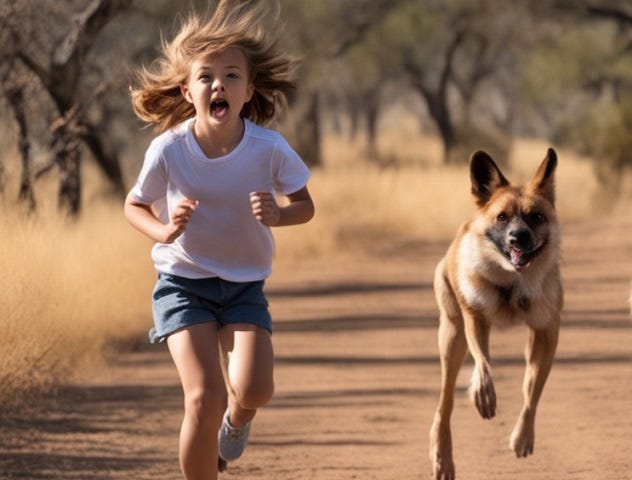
point(205, 404)
point(254, 395)
point(251, 366)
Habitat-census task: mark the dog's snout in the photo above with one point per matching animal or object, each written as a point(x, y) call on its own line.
point(521, 238)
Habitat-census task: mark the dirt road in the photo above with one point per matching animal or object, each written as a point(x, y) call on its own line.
point(357, 382)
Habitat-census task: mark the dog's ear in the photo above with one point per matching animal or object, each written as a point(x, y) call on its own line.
point(544, 180)
point(485, 176)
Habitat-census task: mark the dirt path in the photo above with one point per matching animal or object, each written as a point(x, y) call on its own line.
point(357, 377)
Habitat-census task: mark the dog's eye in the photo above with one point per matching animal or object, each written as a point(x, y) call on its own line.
point(537, 217)
point(502, 217)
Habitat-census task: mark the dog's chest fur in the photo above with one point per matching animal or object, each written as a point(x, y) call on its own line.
point(488, 284)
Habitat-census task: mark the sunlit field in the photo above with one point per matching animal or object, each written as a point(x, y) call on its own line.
point(68, 292)
point(359, 204)
point(73, 292)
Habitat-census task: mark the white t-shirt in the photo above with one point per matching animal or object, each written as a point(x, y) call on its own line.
point(223, 238)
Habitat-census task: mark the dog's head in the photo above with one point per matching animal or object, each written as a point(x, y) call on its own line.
point(518, 220)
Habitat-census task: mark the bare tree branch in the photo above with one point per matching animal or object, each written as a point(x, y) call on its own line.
point(67, 58)
point(61, 81)
point(367, 15)
point(611, 13)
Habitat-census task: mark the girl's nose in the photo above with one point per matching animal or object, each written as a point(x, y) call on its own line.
point(218, 86)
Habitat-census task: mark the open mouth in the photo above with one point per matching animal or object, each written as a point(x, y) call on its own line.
point(219, 108)
point(521, 259)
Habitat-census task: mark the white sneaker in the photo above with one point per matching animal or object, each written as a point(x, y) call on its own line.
point(232, 440)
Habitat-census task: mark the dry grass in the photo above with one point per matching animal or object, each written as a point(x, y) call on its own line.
point(360, 204)
point(71, 289)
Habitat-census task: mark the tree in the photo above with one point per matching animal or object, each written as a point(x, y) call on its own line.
point(59, 70)
point(13, 89)
point(450, 52)
point(579, 80)
point(321, 33)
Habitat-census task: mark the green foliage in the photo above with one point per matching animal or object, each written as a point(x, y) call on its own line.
point(578, 81)
point(569, 61)
point(472, 138)
point(544, 70)
point(613, 143)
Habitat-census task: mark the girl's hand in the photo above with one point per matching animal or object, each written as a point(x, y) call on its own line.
point(179, 219)
point(265, 208)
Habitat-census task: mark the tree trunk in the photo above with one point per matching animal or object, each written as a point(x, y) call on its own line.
point(306, 131)
point(15, 96)
point(69, 195)
point(105, 155)
point(371, 114)
point(440, 113)
point(61, 81)
point(67, 132)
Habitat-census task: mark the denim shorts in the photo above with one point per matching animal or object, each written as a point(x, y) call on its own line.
point(179, 302)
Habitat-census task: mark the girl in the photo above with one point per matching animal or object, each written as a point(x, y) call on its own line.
point(217, 172)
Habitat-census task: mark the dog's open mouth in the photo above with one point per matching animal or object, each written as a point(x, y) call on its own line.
point(521, 259)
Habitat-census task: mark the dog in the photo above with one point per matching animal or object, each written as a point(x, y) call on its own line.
point(502, 269)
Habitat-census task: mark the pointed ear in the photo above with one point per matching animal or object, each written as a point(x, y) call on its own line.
point(485, 176)
point(544, 180)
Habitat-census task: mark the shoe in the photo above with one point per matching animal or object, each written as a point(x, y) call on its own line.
point(232, 440)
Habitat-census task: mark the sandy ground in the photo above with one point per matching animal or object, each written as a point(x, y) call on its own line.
point(357, 382)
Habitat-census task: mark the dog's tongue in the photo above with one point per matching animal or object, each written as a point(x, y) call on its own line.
point(517, 259)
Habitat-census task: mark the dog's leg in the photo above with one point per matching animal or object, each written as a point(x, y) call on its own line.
point(539, 357)
point(452, 350)
point(482, 389)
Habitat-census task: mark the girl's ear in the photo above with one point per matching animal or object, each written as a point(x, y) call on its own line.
point(250, 92)
point(185, 92)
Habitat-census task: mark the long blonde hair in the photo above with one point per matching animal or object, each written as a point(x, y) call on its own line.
point(157, 99)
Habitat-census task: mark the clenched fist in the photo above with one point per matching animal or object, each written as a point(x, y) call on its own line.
point(179, 218)
point(265, 208)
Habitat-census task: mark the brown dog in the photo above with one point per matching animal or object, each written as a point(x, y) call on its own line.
point(501, 269)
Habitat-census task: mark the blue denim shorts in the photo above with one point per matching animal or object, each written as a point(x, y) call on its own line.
point(179, 302)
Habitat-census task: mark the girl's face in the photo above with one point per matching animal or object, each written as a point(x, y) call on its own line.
point(218, 87)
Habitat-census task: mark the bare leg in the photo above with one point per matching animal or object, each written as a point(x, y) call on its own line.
point(250, 380)
point(539, 354)
point(195, 352)
point(482, 389)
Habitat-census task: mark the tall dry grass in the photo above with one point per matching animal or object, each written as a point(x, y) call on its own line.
point(72, 289)
point(414, 197)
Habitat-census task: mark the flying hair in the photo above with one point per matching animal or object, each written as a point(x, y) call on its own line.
point(244, 24)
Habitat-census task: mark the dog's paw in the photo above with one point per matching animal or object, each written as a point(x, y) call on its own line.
point(441, 468)
point(441, 452)
point(443, 472)
point(522, 438)
point(483, 394)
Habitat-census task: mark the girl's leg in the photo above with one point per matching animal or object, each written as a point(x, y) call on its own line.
point(250, 380)
point(195, 352)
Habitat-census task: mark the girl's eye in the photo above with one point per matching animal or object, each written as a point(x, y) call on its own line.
point(502, 217)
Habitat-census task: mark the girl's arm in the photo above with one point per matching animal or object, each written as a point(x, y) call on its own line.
point(141, 217)
point(300, 208)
